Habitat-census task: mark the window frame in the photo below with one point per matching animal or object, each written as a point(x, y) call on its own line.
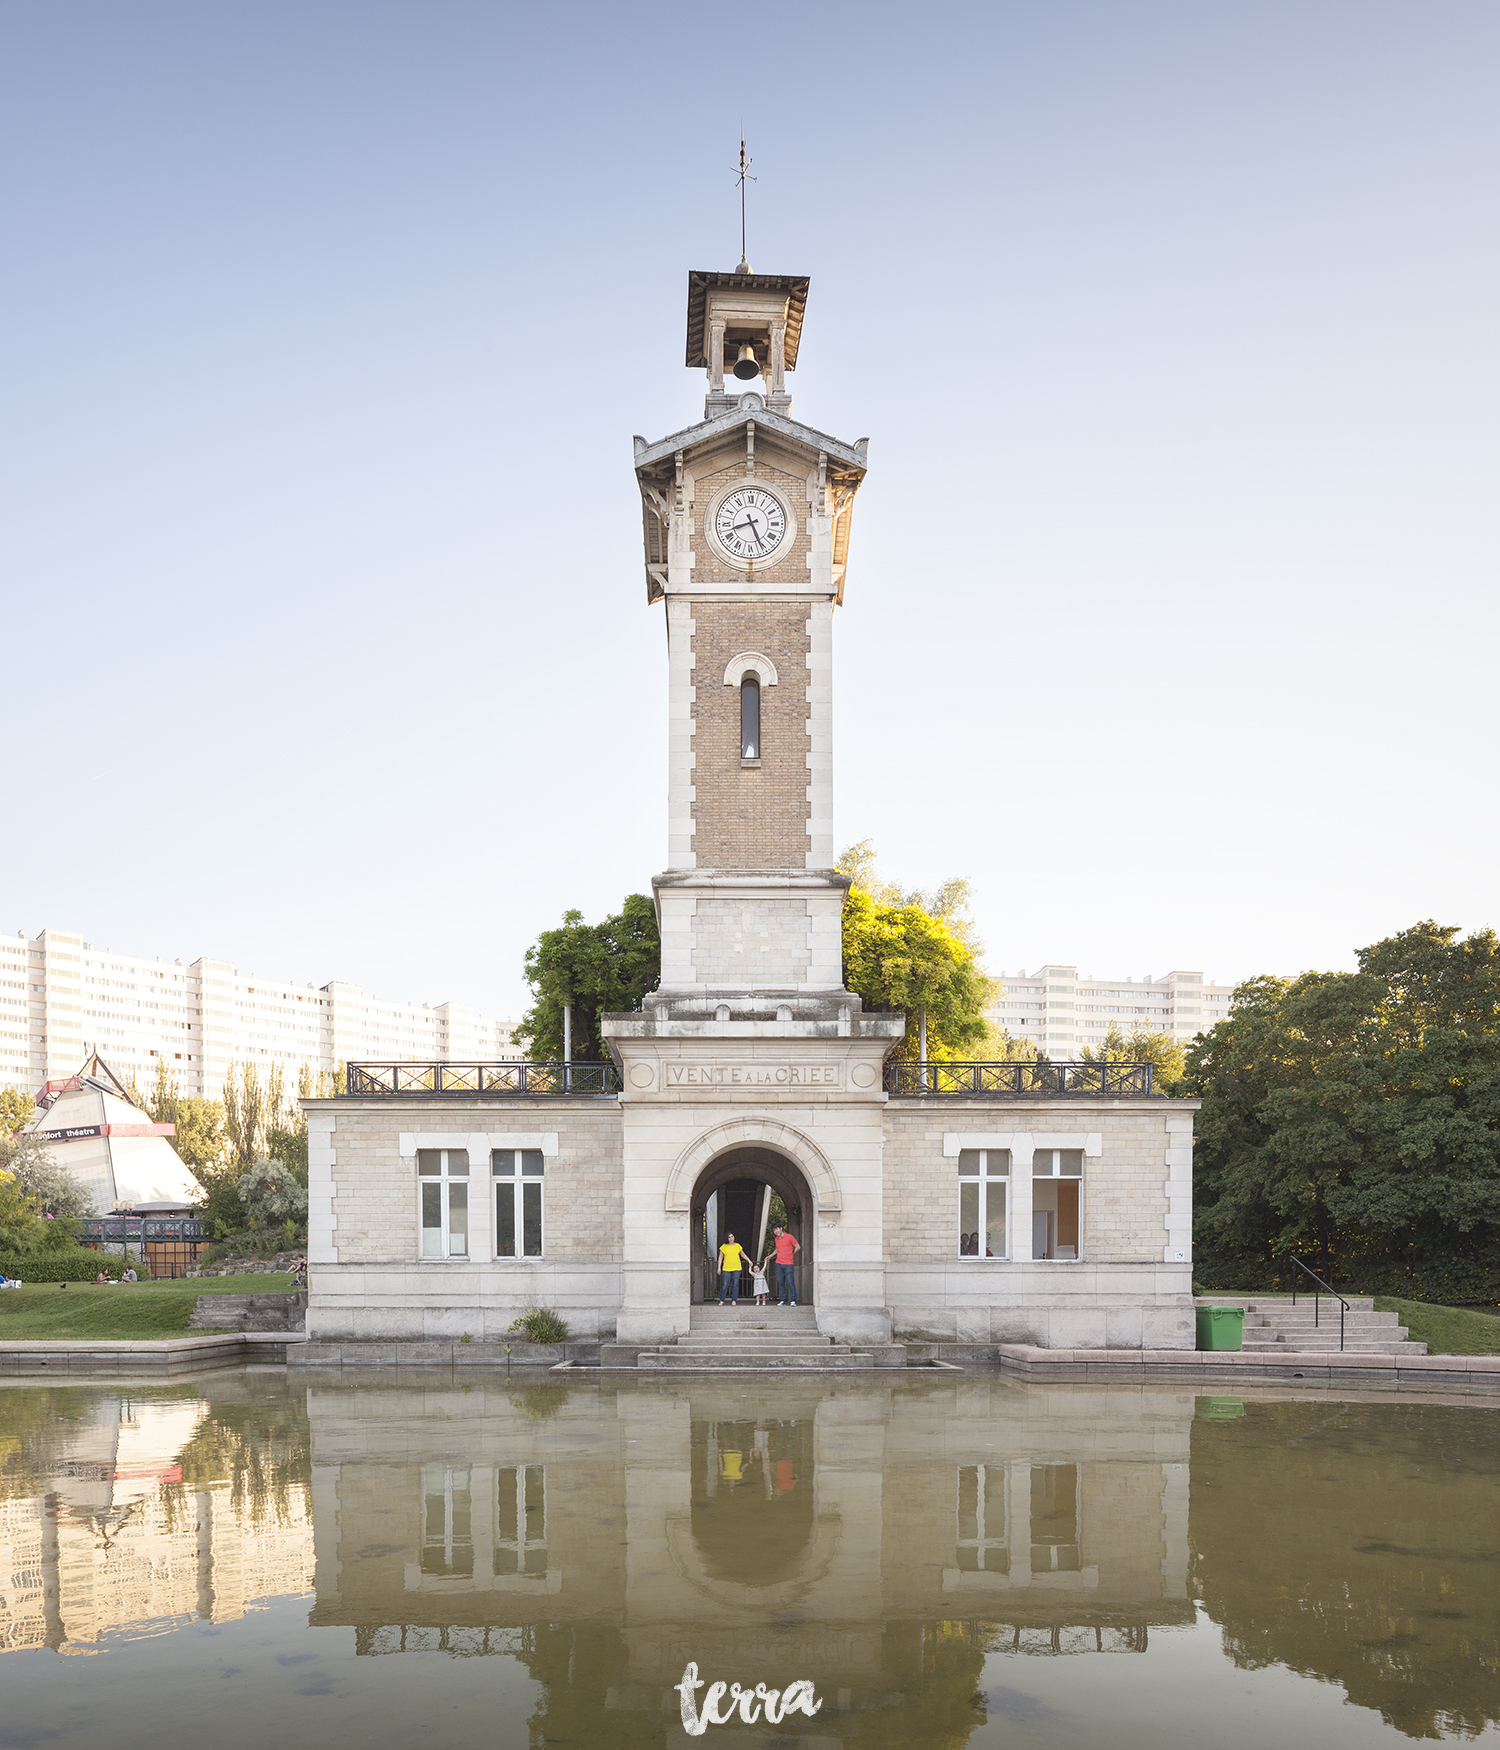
point(1054, 1173)
point(752, 737)
point(982, 1178)
point(521, 1176)
point(444, 1180)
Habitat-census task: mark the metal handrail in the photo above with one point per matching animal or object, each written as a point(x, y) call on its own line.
point(454, 1080)
point(1343, 1304)
point(936, 1076)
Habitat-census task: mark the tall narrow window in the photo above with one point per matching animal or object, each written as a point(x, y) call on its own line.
point(750, 717)
point(447, 1522)
point(517, 1174)
point(1056, 1213)
point(521, 1521)
point(1054, 1519)
point(443, 1190)
point(983, 1180)
point(982, 1541)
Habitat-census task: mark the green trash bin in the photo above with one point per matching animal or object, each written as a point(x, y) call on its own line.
point(1221, 1327)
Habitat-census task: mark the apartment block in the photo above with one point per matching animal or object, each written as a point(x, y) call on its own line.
point(61, 997)
point(1059, 1011)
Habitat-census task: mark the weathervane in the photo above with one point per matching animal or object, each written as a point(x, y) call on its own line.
point(744, 177)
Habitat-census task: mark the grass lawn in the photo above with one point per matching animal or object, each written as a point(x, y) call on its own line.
point(1446, 1330)
point(127, 1311)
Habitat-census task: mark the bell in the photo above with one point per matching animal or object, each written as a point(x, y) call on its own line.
point(745, 366)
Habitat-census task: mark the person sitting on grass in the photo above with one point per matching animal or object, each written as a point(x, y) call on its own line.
point(101, 1280)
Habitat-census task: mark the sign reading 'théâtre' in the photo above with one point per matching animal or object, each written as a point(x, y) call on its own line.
point(752, 1075)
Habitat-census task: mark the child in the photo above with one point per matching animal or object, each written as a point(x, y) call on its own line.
point(758, 1281)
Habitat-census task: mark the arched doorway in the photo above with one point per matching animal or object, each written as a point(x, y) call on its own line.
point(733, 1194)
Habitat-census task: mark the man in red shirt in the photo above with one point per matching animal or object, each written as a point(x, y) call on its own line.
point(786, 1254)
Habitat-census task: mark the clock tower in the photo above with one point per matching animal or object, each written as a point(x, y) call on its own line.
point(747, 520)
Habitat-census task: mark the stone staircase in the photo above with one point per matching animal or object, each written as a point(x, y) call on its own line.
point(763, 1338)
point(1273, 1325)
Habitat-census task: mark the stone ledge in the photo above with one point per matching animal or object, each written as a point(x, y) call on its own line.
point(142, 1356)
point(1192, 1364)
point(439, 1354)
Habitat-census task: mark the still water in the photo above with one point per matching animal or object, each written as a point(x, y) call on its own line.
point(255, 1559)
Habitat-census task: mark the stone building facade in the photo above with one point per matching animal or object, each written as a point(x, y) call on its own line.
point(1047, 1210)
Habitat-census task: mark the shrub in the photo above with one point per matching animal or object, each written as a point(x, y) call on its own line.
point(271, 1195)
point(541, 1325)
point(78, 1264)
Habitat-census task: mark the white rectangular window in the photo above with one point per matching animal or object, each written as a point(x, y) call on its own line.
point(443, 1190)
point(447, 1522)
point(521, 1521)
point(1056, 1542)
point(517, 1175)
point(1056, 1203)
point(983, 1204)
point(982, 1543)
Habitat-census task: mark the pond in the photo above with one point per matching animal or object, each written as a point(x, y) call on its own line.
point(262, 1558)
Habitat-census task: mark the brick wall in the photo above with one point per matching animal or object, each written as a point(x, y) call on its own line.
point(789, 566)
point(750, 817)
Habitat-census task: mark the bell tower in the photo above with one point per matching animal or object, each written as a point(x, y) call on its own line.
point(750, 1064)
point(747, 518)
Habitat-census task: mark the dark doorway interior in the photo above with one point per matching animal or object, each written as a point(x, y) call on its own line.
point(736, 1183)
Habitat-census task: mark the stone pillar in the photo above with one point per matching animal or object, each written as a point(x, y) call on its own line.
point(716, 355)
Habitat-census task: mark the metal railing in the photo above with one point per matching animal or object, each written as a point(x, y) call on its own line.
point(992, 1081)
point(1318, 1292)
point(377, 1080)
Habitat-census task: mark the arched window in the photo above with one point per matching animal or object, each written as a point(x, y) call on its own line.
point(750, 716)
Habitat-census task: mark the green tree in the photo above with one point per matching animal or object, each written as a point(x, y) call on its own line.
point(948, 901)
point(16, 1110)
point(201, 1144)
point(53, 1188)
point(601, 969)
point(271, 1194)
point(906, 949)
point(20, 1225)
point(901, 957)
point(1167, 1058)
point(1356, 1117)
point(247, 1109)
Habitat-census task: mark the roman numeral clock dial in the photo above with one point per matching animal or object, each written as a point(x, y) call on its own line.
point(751, 523)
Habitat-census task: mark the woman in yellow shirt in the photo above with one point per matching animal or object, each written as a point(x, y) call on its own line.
point(731, 1256)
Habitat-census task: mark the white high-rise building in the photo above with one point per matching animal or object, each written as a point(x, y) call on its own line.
point(1061, 1012)
point(61, 997)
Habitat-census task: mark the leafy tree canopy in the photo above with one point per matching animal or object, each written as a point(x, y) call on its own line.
point(1167, 1058)
point(601, 969)
point(16, 1108)
point(900, 953)
point(1357, 1115)
point(53, 1188)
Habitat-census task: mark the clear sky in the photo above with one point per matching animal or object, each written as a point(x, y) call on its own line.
point(1171, 613)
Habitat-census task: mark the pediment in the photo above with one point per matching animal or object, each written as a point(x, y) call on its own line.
point(712, 434)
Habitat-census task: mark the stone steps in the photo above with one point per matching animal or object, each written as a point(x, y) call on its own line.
point(1276, 1327)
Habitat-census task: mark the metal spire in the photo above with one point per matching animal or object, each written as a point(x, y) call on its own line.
point(744, 177)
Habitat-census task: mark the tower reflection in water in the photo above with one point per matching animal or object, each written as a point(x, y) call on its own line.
point(877, 1540)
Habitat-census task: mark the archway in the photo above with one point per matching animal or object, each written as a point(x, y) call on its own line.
point(732, 1194)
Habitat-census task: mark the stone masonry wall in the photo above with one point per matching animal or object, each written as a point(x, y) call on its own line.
point(375, 1189)
point(744, 943)
point(1124, 1198)
point(750, 817)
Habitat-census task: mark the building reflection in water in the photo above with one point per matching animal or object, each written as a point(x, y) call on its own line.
point(139, 1514)
point(879, 1540)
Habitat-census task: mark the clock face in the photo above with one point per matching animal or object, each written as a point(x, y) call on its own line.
point(751, 523)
